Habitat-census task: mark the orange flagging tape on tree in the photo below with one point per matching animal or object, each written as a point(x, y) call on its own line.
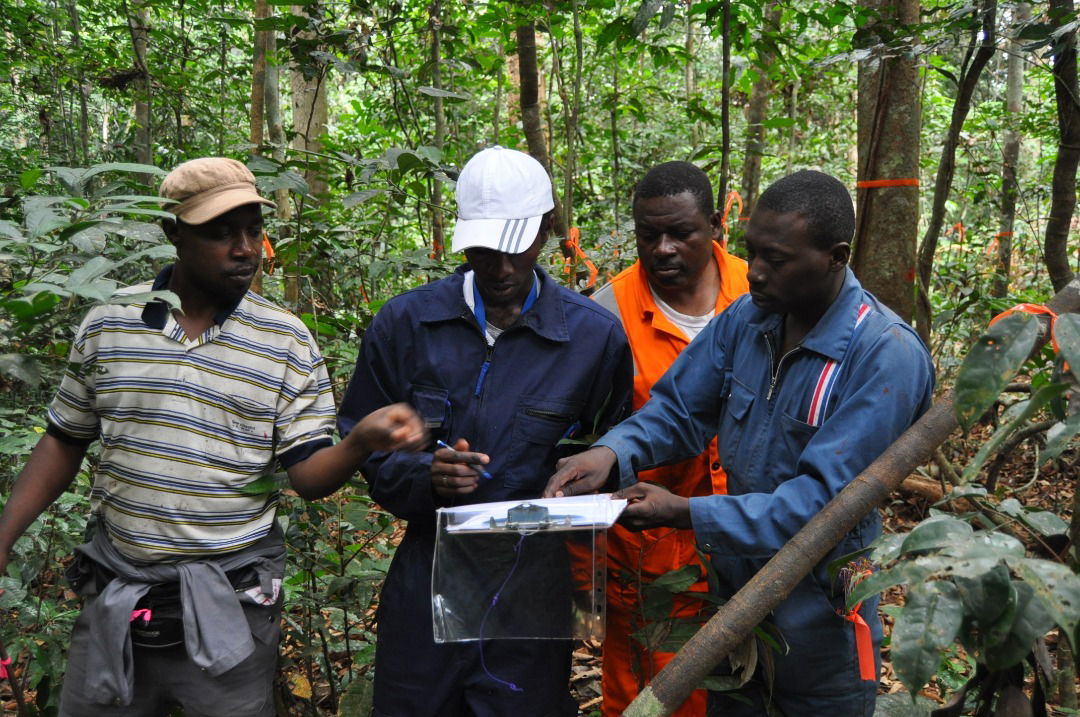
point(959, 228)
point(268, 253)
point(1031, 309)
point(733, 197)
point(573, 242)
point(992, 247)
point(881, 183)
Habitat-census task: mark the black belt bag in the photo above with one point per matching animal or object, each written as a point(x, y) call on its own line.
point(158, 619)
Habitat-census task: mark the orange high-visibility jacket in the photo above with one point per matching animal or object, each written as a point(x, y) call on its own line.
point(636, 558)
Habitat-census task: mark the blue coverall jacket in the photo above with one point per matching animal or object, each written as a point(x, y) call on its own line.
point(793, 431)
point(565, 362)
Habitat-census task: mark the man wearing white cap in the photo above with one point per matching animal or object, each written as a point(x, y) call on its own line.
point(181, 579)
point(501, 363)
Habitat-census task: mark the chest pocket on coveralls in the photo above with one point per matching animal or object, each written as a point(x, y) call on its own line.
point(539, 425)
point(732, 430)
point(433, 405)
point(794, 434)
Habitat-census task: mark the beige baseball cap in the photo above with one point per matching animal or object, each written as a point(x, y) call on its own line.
point(208, 187)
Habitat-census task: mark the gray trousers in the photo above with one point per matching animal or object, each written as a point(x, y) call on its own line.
point(166, 678)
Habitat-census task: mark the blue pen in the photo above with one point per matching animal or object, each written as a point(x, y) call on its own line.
point(479, 468)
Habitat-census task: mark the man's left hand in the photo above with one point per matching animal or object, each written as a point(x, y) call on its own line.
point(652, 506)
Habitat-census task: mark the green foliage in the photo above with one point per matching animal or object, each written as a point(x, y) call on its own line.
point(972, 586)
point(991, 364)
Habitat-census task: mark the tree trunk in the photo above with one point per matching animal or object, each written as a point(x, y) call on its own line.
point(570, 94)
point(1063, 188)
point(139, 26)
point(775, 581)
point(690, 80)
point(309, 108)
point(438, 231)
point(275, 128)
point(1014, 98)
point(614, 118)
point(258, 98)
point(725, 107)
point(258, 78)
point(83, 88)
point(978, 54)
point(755, 115)
point(889, 116)
point(530, 111)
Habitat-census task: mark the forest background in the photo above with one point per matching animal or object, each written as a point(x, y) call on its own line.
point(956, 124)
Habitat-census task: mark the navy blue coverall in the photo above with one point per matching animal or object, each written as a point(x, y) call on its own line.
point(565, 363)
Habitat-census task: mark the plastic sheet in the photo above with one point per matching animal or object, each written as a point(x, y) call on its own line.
point(506, 570)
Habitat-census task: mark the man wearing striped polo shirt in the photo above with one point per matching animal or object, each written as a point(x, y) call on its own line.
point(807, 380)
point(182, 577)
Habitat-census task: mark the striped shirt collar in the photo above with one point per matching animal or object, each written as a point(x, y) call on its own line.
point(156, 313)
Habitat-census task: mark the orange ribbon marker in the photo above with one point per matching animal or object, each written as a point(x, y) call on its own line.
point(853, 574)
point(992, 247)
point(882, 183)
point(959, 228)
point(1033, 309)
point(268, 253)
point(573, 242)
point(733, 197)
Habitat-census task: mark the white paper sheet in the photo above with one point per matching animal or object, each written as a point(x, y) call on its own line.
point(573, 512)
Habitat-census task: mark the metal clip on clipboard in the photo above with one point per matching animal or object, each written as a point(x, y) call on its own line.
point(529, 518)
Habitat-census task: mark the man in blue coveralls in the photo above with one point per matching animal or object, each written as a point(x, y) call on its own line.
point(500, 360)
point(807, 379)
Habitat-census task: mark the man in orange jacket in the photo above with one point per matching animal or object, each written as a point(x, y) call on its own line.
point(683, 277)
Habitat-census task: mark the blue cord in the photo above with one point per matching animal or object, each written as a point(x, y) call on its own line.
point(494, 600)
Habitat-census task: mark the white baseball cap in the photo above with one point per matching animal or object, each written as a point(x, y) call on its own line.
point(502, 196)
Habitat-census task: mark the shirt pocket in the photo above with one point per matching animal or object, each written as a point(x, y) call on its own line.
point(433, 405)
point(790, 443)
point(539, 425)
point(732, 434)
point(249, 430)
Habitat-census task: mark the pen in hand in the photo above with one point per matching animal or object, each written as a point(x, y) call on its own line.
point(478, 467)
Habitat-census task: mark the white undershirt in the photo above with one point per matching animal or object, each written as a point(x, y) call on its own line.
point(691, 326)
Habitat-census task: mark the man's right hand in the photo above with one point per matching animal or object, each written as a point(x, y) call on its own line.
point(456, 471)
point(583, 473)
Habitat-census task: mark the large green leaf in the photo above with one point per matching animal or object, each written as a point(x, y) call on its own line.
point(902, 704)
point(1067, 333)
point(929, 622)
point(1058, 438)
point(904, 572)
point(1043, 522)
point(1056, 587)
point(1031, 622)
point(678, 580)
point(985, 596)
point(991, 363)
point(22, 367)
point(935, 533)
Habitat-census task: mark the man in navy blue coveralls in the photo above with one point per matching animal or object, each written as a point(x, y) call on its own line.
point(806, 380)
point(501, 363)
